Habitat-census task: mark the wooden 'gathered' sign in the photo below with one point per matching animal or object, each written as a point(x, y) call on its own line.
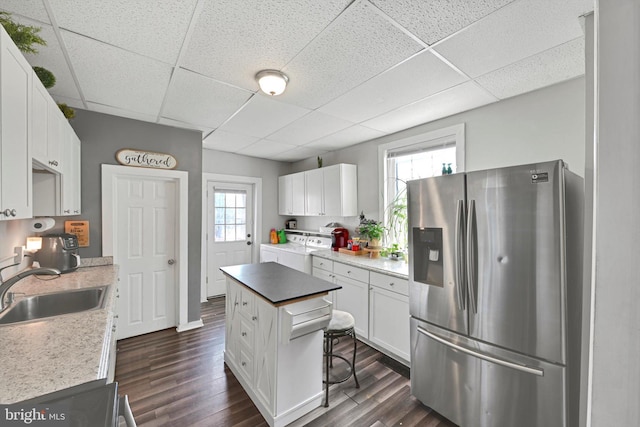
point(146, 159)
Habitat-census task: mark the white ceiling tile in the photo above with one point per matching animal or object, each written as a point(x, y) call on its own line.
point(52, 58)
point(549, 67)
point(227, 141)
point(308, 128)
point(298, 153)
point(33, 9)
point(112, 76)
point(417, 78)
point(154, 28)
point(114, 111)
point(233, 40)
point(517, 31)
point(202, 100)
point(265, 149)
point(262, 116)
point(436, 19)
point(183, 125)
point(345, 138)
point(451, 101)
point(357, 46)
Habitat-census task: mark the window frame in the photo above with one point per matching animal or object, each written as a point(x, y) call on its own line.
point(422, 141)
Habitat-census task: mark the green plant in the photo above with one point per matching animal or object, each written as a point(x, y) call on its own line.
point(46, 77)
point(396, 219)
point(372, 230)
point(68, 112)
point(23, 36)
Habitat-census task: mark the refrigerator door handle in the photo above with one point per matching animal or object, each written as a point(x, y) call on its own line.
point(459, 255)
point(486, 357)
point(471, 256)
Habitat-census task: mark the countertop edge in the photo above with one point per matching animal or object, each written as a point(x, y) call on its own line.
point(366, 263)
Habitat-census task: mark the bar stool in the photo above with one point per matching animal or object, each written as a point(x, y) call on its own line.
point(341, 325)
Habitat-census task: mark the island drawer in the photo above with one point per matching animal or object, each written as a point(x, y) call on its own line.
point(352, 272)
point(391, 283)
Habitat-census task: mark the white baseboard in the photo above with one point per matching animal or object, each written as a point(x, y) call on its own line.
point(191, 325)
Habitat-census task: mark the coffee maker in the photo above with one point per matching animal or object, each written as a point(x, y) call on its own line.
point(59, 251)
point(339, 238)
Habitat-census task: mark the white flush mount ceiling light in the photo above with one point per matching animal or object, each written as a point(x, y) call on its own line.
point(272, 82)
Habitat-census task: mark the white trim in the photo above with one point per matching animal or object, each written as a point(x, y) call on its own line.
point(456, 132)
point(109, 174)
point(257, 219)
point(189, 326)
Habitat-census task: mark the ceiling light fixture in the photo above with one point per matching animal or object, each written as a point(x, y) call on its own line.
point(272, 82)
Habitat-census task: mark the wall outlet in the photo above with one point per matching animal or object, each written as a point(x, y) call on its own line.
point(19, 254)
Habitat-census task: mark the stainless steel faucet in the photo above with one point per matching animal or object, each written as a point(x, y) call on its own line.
point(5, 285)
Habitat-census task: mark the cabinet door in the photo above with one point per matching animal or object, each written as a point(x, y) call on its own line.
point(389, 321)
point(354, 298)
point(15, 144)
point(331, 191)
point(56, 126)
point(314, 184)
point(284, 195)
point(232, 324)
point(329, 277)
point(70, 172)
point(297, 193)
point(266, 337)
point(39, 122)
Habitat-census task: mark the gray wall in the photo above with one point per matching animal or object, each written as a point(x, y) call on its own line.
point(269, 170)
point(546, 124)
point(615, 371)
point(102, 136)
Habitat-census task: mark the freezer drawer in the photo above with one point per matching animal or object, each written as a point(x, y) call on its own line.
point(474, 384)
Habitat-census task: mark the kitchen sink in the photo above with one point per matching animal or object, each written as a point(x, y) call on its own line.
point(54, 304)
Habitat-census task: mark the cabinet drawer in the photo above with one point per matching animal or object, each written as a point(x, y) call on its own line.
point(352, 272)
point(322, 263)
point(246, 332)
point(391, 283)
point(323, 274)
point(246, 364)
point(247, 302)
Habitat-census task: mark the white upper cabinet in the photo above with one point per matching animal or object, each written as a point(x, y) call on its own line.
point(332, 191)
point(15, 131)
point(71, 175)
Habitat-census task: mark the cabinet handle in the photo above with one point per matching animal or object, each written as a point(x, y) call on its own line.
point(244, 303)
point(391, 284)
point(244, 334)
point(67, 211)
point(76, 211)
point(254, 318)
point(235, 303)
point(244, 363)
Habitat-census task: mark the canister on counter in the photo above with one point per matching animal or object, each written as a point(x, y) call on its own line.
point(349, 244)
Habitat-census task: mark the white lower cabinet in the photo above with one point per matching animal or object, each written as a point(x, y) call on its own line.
point(266, 338)
point(378, 302)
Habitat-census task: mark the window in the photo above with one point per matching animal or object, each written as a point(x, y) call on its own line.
point(416, 157)
point(230, 215)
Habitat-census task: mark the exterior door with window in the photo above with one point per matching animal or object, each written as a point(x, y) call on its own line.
point(229, 225)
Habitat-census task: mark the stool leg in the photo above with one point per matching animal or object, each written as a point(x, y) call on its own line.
point(353, 365)
point(327, 356)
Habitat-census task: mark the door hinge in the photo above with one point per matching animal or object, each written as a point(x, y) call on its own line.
point(207, 280)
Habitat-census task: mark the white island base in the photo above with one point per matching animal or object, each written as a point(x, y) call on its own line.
point(275, 349)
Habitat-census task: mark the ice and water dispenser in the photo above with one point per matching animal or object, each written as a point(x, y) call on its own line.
point(428, 254)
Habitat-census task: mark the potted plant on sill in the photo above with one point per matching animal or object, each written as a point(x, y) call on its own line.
point(373, 231)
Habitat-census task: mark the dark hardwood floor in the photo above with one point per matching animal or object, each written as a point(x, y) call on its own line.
point(181, 380)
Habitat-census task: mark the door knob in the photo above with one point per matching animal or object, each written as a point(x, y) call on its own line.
point(171, 261)
point(249, 243)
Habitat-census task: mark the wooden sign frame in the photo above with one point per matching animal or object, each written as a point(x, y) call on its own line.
point(146, 159)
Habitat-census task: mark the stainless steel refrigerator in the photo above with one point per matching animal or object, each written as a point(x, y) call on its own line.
point(495, 288)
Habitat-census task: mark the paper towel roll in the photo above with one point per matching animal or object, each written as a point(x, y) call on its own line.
point(42, 224)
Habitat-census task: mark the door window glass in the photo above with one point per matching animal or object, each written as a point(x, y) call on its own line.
point(230, 215)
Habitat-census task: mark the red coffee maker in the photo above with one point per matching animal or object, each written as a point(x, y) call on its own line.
point(339, 237)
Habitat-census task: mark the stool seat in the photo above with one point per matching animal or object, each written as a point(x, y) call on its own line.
point(340, 321)
point(342, 324)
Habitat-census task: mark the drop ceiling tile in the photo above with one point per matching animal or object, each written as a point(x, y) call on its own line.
point(52, 58)
point(201, 100)
point(184, 125)
point(417, 78)
point(33, 9)
point(345, 138)
point(298, 153)
point(265, 149)
point(434, 20)
point(227, 141)
point(154, 28)
point(549, 67)
point(262, 116)
point(111, 76)
point(114, 111)
point(517, 31)
point(233, 40)
point(308, 128)
point(451, 101)
point(357, 46)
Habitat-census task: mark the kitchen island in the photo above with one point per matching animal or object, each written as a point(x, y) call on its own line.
point(275, 316)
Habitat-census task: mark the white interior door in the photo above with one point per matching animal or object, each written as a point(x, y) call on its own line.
point(229, 230)
point(146, 253)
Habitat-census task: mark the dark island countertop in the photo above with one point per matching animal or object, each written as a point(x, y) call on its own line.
point(277, 283)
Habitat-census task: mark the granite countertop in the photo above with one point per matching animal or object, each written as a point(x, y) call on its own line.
point(277, 283)
point(396, 268)
point(58, 352)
